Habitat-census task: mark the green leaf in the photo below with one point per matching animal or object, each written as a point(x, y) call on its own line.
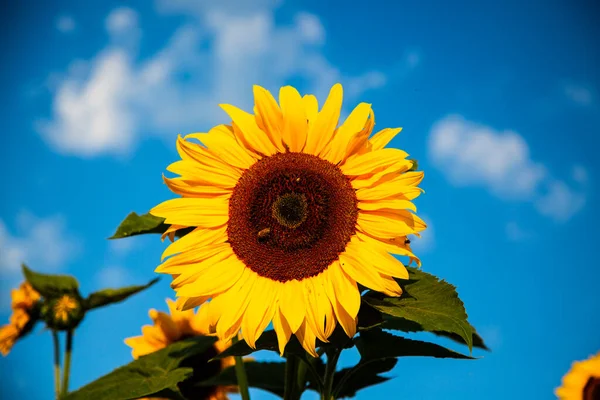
point(401, 324)
point(109, 296)
point(156, 373)
point(376, 344)
point(269, 376)
point(267, 341)
point(51, 285)
point(357, 378)
point(428, 301)
point(135, 224)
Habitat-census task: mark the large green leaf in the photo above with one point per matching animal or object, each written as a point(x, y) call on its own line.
point(269, 376)
point(404, 325)
point(156, 373)
point(348, 381)
point(109, 296)
point(428, 301)
point(51, 285)
point(135, 224)
point(376, 344)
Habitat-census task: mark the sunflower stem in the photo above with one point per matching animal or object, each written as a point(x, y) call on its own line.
point(290, 391)
point(67, 366)
point(332, 359)
point(56, 363)
point(240, 372)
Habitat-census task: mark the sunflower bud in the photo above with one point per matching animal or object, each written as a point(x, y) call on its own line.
point(64, 312)
point(415, 165)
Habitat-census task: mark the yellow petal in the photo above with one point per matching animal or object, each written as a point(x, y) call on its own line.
point(345, 289)
point(396, 245)
point(359, 143)
point(220, 142)
point(201, 212)
point(365, 163)
point(383, 137)
point(189, 273)
point(389, 223)
point(391, 185)
point(194, 189)
point(377, 258)
point(283, 331)
point(215, 279)
point(194, 154)
point(321, 132)
point(366, 275)
point(260, 310)
point(393, 204)
point(381, 174)
point(237, 299)
point(311, 107)
point(337, 148)
point(249, 134)
point(166, 326)
point(292, 304)
point(294, 119)
point(198, 236)
point(307, 339)
point(270, 115)
point(319, 309)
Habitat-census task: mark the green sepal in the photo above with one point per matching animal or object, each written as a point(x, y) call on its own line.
point(50, 286)
point(105, 297)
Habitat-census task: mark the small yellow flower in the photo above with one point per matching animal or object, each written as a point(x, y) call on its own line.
point(180, 325)
point(64, 307)
point(582, 382)
point(24, 300)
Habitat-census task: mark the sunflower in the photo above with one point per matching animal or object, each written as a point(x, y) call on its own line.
point(289, 214)
point(24, 302)
point(179, 325)
point(582, 382)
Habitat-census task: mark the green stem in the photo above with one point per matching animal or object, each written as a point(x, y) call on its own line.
point(56, 364)
point(240, 373)
point(67, 366)
point(290, 391)
point(332, 359)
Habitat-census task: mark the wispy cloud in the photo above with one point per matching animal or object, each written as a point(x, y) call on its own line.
point(65, 24)
point(113, 276)
point(472, 154)
point(43, 243)
point(227, 48)
point(579, 94)
point(515, 233)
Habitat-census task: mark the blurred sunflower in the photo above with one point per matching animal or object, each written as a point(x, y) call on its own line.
point(179, 325)
point(582, 382)
point(24, 305)
point(290, 212)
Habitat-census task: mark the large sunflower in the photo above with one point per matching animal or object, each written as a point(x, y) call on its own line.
point(290, 212)
point(582, 382)
point(179, 325)
point(24, 302)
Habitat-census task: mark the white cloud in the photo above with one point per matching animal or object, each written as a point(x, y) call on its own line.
point(413, 59)
point(472, 154)
point(65, 24)
point(515, 233)
point(560, 202)
point(426, 242)
point(112, 277)
point(216, 59)
point(121, 247)
point(121, 21)
point(579, 94)
point(42, 243)
point(580, 174)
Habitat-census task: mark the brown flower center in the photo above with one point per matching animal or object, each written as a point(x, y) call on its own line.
point(591, 391)
point(291, 215)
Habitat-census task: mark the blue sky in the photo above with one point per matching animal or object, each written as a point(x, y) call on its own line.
point(499, 103)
